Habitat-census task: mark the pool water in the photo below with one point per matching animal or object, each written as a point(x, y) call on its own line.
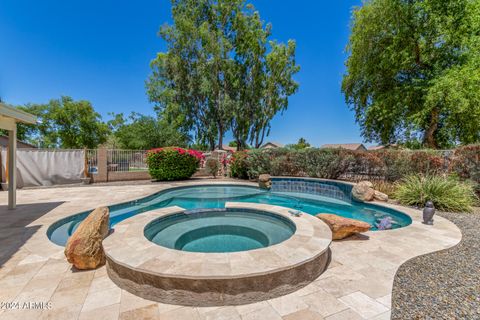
point(219, 230)
point(197, 197)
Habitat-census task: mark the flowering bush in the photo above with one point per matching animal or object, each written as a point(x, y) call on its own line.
point(238, 165)
point(173, 163)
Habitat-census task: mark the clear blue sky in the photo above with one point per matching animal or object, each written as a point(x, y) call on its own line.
point(100, 51)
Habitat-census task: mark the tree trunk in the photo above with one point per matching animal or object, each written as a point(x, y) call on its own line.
point(429, 138)
point(220, 137)
point(212, 144)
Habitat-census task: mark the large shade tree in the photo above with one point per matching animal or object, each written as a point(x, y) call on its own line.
point(413, 71)
point(220, 72)
point(64, 123)
point(138, 131)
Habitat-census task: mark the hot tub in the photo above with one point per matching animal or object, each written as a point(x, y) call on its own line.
point(219, 230)
point(245, 253)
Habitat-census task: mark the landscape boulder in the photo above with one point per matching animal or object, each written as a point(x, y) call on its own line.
point(265, 181)
point(380, 196)
point(363, 191)
point(84, 248)
point(343, 227)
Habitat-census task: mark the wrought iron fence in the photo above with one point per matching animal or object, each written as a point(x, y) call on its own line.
point(126, 160)
point(91, 161)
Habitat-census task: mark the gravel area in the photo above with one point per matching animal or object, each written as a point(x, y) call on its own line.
point(444, 284)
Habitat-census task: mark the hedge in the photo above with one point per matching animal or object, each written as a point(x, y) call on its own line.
point(166, 164)
point(383, 165)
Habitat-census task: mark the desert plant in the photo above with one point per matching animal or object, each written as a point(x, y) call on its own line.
point(446, 193)
point(385, 187)
point(213, 166)
point(172, 163)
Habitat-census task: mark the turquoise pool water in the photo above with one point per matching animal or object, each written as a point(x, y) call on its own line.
point(219, 230)
point(197, 197)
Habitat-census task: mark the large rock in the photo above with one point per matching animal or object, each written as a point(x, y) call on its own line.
point(363, 191)
point(265, 181)
point(343, 227)
point(84, 248)
point(380, 196)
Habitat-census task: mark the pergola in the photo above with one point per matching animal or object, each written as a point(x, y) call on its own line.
point(9, 117)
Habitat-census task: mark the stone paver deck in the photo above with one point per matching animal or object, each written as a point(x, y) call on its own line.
point(357, 284)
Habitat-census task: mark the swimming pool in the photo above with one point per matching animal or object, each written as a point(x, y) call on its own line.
point(215, 196)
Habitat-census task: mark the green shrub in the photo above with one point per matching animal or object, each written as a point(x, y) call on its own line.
point(447, 194)
point(426, 162)
point(259, 162)
point(213, 165)
point(384, 165)
point(396, 164)
point(327, 163)
point(466, 162)
point(172, 163)
point(366, 163)
point(239, 165)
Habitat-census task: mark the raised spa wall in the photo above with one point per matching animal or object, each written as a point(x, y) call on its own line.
point(327, 188)
point(198, 279)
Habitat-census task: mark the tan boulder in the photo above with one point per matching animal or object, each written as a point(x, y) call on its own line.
point(343, 227)
point(265, 181)
point(363, 191)
point(380, 196)
point(84, 248)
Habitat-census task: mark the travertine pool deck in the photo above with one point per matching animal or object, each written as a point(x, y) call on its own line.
point(356, 285)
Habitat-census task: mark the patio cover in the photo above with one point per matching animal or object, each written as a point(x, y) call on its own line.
point(9, 117)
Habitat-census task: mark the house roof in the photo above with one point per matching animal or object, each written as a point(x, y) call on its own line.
point(228, 148)
point(381, 147)
point(20, 144)
point(373, 148)
point(348, 146)
point(273, 143)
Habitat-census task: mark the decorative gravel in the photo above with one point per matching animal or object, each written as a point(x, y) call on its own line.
point(445, 284)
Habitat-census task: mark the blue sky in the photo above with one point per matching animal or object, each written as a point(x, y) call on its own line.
point(100, 51)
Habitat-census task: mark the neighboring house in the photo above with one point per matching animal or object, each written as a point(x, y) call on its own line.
point(348, 146)
point(381, 147)
point(271, 145)
point(228, 148)
point(20, 144)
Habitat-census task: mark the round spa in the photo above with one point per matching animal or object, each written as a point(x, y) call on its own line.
point(220, 230)
point(245, 253)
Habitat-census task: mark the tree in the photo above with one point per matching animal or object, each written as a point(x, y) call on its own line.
point(301, 144)
point(216, 74)
point(141, 132)
point(264, 78)
point(64, 123)
point(414, 71)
